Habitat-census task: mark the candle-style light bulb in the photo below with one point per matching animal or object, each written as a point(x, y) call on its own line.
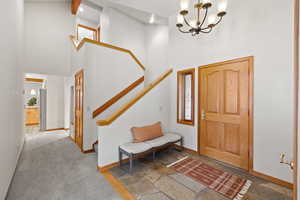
point(184, 4)
point(211, 20)
point(222, 6)
point(180, 19)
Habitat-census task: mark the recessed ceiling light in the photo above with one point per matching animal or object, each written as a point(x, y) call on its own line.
point(80, 9)
point(151, 21)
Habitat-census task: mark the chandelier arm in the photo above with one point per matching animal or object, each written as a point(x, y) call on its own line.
point(210, 29)
point(205, 16)
point(220, 19)
point(186, 22)
point(182, 31)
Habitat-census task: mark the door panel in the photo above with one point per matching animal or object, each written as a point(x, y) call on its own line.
point(224, 105)
point(213, 131)
point(212, 92)
point(79, 109)
point(231, 92)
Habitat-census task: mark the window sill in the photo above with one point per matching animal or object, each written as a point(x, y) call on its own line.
point(189, 123)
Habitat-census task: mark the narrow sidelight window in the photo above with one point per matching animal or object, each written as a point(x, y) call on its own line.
point(185, 96)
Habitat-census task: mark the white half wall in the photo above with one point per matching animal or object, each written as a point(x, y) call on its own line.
point(146, 111)
point(11, 85)
point(248, 30)
point(47, 45)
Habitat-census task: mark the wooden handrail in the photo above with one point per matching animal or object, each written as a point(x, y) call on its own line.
point(79, 44)
point(141, 94)
point(121, 94)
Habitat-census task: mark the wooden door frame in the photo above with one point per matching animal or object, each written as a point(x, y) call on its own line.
point(250, 59)
point(81, 142)
point(296, 97)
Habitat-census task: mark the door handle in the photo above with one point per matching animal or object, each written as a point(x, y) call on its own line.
point(283, 161)
point(203, 115)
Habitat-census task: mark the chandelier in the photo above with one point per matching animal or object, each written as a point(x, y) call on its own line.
point(198, 25)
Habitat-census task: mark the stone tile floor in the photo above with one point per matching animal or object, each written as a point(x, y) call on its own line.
point(153, 181)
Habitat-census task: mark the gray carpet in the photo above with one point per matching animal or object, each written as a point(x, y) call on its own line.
point(51, 167)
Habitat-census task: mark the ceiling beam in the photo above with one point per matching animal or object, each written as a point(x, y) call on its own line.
point(74, 6)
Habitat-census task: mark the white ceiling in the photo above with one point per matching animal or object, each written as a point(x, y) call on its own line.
point(47, 0)
point(164, 8)
point(139, 15)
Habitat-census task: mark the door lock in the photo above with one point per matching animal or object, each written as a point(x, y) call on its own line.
point(203, 115)
point(283, 161)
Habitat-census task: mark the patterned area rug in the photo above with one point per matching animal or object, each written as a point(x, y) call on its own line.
point(229, 185)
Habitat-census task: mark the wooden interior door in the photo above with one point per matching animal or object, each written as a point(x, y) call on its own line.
point(79, 109)
point(224, 111)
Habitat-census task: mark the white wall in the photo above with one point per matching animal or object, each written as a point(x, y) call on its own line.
point(123, 31)
point(55, 102)
point(47, 44)
point(85, 22)
point(248, 30)
point(11, 99)
point(156, 43)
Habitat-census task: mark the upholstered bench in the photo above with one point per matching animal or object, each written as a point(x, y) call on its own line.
point(137, 149)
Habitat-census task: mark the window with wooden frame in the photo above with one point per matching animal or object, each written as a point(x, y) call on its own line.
point(186, 96)
point(87, 32)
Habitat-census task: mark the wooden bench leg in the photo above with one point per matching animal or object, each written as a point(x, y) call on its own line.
point(153, 155)
point(120, 157)
point(181, 144)
point(130, 163)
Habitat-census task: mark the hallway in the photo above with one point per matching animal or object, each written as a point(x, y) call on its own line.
point(51, 167)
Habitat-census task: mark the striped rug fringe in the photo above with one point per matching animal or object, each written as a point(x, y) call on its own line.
point(243, 191)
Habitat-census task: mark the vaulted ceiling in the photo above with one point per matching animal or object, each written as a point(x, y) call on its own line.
point(164, 8)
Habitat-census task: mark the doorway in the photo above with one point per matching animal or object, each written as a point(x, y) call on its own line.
point(32, 87)
point(225, 111)
point(79, 109)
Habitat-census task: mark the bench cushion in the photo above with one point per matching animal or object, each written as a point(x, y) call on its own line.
point(135, 147)
point(167, 138)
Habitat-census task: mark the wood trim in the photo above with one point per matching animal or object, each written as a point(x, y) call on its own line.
point(37, 80)
point(112, 165)
point(180, 96)
point(79, 44)
point(116, 98)
point(250, 59)
point(251, 108)
point(191, 151)
point(32, 124)
point(128, 105)
point(89, 151)
point(296, 97)
point(74, 6)
point(272, 179)
point(118, 186)
point(54, 129)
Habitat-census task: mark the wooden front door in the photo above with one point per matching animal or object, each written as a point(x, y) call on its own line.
point(79, 108)
point(224, 111)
